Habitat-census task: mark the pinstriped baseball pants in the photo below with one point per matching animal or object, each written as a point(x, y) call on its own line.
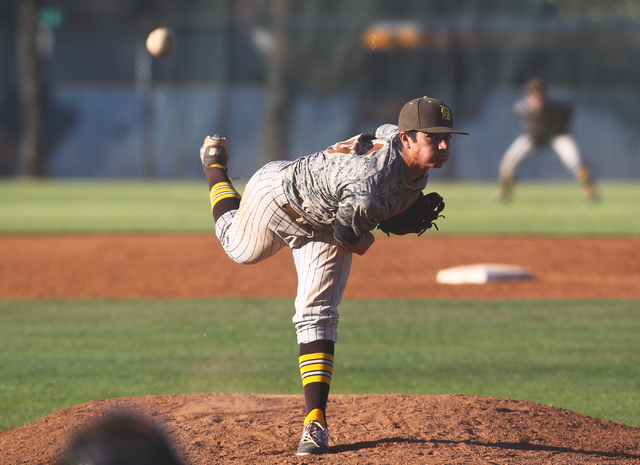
point(261, 227)
point(524, 146)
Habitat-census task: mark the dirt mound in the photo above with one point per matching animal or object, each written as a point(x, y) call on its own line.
point(389, 429)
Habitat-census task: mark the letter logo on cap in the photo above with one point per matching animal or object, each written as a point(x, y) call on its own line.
point(446, 113)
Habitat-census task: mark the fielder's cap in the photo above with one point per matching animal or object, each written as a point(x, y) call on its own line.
point(427, 115)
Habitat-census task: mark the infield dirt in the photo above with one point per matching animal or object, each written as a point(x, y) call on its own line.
point(208, 428)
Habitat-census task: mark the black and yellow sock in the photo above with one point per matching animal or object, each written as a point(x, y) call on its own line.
point(316, 370)
point(218, 194)
point(222, 194)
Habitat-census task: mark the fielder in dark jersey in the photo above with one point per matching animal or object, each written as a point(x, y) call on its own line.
point(324, 207)
point(547, 124)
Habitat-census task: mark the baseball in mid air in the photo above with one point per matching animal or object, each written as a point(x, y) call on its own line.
point(161, 42)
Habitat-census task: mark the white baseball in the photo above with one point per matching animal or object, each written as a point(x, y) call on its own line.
point(161, 42)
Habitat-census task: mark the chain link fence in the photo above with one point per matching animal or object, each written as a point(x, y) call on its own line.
point(81, 97)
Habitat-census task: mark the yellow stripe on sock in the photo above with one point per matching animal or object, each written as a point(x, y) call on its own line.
point(221, 187)
point(217, 190)
point(316, 367)
point(316, 379)
point(318, 355)
point(222, 190)
point(218, 199)
point(223, 195)
point(227, 193)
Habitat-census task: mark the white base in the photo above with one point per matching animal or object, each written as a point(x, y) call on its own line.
point(482, 273)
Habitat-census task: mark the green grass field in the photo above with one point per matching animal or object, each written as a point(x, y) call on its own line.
point(582, 356)
point(579, 355)
point(99, 206)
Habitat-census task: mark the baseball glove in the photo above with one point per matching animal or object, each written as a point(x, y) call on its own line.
point(419, 217)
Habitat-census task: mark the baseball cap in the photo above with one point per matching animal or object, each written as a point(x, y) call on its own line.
point(427, 115)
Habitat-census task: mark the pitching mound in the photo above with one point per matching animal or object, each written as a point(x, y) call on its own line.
point(380, 429)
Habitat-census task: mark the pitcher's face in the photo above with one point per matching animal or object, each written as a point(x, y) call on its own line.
point(432, 150)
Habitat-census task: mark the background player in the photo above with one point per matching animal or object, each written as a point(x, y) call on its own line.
point(324, 207)
point(547, 123)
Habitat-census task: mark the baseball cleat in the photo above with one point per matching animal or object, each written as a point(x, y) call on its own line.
point(501, 197)
point(315, 439)
point(214, 151)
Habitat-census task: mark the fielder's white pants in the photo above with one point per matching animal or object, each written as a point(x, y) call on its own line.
point(261, 227)
point(524, 146)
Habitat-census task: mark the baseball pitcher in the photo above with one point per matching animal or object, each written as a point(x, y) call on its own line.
point(324, 206)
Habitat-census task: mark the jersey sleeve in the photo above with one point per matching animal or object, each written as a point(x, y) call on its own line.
point(386, 131)
point(362, 210)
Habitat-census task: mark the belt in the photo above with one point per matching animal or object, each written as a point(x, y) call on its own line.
point(291, 211)
point(308, 230)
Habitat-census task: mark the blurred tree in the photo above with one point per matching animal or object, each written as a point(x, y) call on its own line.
point(30, 91)
point(279, 85)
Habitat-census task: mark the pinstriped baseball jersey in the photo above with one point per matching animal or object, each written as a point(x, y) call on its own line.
point(358, 182)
